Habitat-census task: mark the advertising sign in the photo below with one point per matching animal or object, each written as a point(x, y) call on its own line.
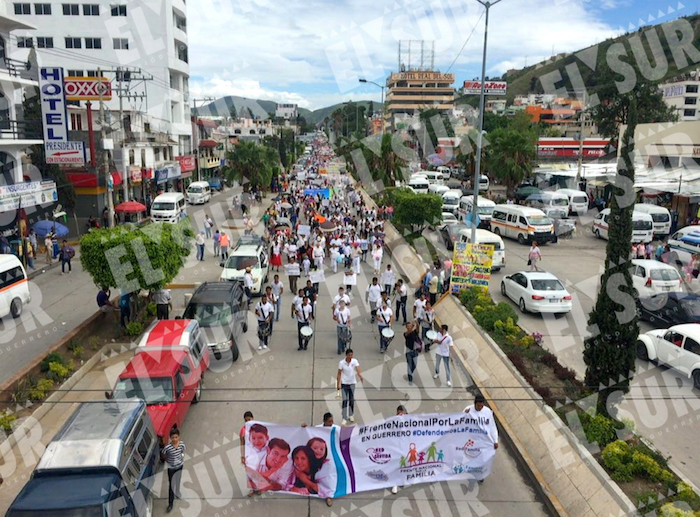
point(135, 174)
point(54, 115)
point(187, 162)
point(88, 88)
point(65, 152)
point(471, 266)
point(399, 451)
point(25, 195)
point(490, 87)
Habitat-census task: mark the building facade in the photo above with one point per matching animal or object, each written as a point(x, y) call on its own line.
point(682, 95)
point(287, 111)
point(408, 93)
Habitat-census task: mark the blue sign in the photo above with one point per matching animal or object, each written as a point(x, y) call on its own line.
point(323, 192)
point(468, 219)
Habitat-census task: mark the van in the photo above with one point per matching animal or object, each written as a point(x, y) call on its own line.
point(642, 226)
point(419, 185)
point(247, 255)
point(487, 237)
point(450, 201)
point(167, 208)
point(660, 216)
point(684, 244)
point(484, 210)
point(176, 335)
point(483, 183)
point(546, 199)
point(437, 189)
point(445, 172)
point(199, 192)
point(578, 201)
point(523, 223)
point(102, 462)
point(14, 288)
point(434, 177)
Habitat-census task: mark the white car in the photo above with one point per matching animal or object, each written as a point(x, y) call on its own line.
point(449, 218)
point(537, 291)
point(677, 347)
point(651, 277)
point(247, 255)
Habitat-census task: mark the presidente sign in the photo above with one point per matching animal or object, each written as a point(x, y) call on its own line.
point(88, 88)
point(54, 115)
point(490, 87)
point(398, 451)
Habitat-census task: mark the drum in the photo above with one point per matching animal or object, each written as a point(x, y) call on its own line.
point(263, 330)
point(388, 335)
point(432, 335)
point(306, 333)
point(345, 334)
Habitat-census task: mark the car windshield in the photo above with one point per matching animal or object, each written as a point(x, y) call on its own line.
point(485, 210)
point(162, 205)
point(660, 218)
point(558, 214)
point(580, 199)
point(692, 307)
point(641, 224)
point(88, 511)
point(666, 275)
point(538, 220)
point(195, 190)
point(560, 201)
point(152, 390)
point(241, 262)
point(547, 285)
point(209, 314)
point(450, 201)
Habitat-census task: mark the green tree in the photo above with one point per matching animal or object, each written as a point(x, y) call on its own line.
point(609, 353)
point(132, 259)
point(252, 164)
point(511, 155)
point(416, 210)
point(437, 123)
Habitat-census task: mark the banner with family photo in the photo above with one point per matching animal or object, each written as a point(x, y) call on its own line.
point(398, 451)
point(471, 266)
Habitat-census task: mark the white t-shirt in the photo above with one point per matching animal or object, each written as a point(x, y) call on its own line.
point(403, 290)
point(388, 277)
point(444, 344)
point(337, 298)
point(348, 371)
point(264, 310)
point(343, 316)
point(248, 280)
point(485, 412)
point(277, 289)
point(419, 305)
point(384, 315)
point(304, 313)
point(374, 292)
point(296, 302)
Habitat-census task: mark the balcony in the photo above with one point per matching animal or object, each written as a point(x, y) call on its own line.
point(20, 131)
point(19, 72)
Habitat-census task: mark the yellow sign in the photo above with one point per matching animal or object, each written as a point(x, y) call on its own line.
point(87, 88)
point(471, 266)
point(423, 76)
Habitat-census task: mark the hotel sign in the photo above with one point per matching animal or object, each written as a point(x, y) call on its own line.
point(424, 76)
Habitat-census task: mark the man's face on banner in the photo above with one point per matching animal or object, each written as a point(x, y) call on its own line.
point(277, 457)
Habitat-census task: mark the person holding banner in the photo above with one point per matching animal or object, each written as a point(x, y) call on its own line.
point(400, 411)
point(479, 410)
point(348, 372)
point(293, 272)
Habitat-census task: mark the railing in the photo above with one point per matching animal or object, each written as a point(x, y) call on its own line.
point(16, 68)
point(20, 130)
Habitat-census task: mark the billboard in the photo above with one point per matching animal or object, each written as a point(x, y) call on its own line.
point(65, 152)
point(88, 88)
point(187, 163)
point(471, 266)
point(490, 87)
point(54, 114)
point(25, 195)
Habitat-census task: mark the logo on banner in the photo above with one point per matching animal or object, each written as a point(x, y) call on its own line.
point(421, 464)
point(379, 475)
point(469, 450)
point(378, 455)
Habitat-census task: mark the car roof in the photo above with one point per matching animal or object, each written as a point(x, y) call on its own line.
point(676, 295)
point(7, 261)
point(169, 196)
point(166, 333)
point(652, 264)
point(212, 292)
point(70, 490)
point(538, 275)
point(691, 329)
point(154, 363)
point(247, 249)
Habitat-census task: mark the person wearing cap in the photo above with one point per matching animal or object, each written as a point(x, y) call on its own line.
point(200, 245)
point(480, 410)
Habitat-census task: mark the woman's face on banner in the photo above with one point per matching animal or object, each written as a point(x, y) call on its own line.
point(319, 448)
point(301, 462)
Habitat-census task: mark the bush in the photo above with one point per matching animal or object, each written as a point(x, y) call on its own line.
point(474, 297)
point(670, 510)
point(38, 392)
point(549, 359)
point(78, 352)
point(6, 421)
point(564, 374)
point(58, 372)
point(617, 458)
point(94, 343)
point(506, 331)
point(685, 493)
point(488, 316)
point(53, 357)
point(134, 328)
point(525, 341)
point(648, 467)
point(598, 429)
point(151, 310)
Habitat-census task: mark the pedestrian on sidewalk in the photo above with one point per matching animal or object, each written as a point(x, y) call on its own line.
point(373, 296)
point(534, 256)
point(163, 301)
point(293, 272)
point(385, 317)
point(412, 348)
point(343, 319)
point(248, 283)
point(208, 224)
point(277, 291)
point(225, 241)
point(433, 288)
point(104, 301)
point(348, 373)
point(66, 254)
point(174, 455)
point(304, 316)
point(217, 243)
point(444, 347)
point(48, 244)
point(30, 254)
point(377, 254)
point(388, 279)
point(200, 245)
point(124, 308)
point(273, 301)
point(426, 324)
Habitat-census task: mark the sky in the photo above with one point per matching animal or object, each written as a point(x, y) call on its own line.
point(313, 52)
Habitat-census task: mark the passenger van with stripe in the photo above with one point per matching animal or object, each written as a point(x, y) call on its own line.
point(14, 287)
point(523, 223)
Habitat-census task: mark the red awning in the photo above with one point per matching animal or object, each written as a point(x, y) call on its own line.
point(208, 143)
point(90, 179)
point(206, 123)
point(130, 207)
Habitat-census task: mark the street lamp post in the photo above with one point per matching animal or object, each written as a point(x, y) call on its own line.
point(477, 170)
point(382, 87)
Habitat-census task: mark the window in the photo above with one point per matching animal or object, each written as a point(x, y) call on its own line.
point(12, 276)
point(688, 113)
point(71, 10)
point(132, 157)
point(691, 100)
point(120, 43)
point(75, 73)
point(91, 9)
point(639, 271)
point(185, 367)
point(73, 43)
point(23, 8)
point(179, 385)
point(691, 88)
point(42, 9)
point(181, 50)
point(24, 42)
point(692, 346)
point(145, 444)
point(93, 43)
point(119, 10)
point(94, 73)
point(44, 42)
point(180, 22)
point(76, 122)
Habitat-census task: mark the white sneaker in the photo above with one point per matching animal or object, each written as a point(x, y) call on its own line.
point(394, 490)
point(449, 383)
point(265, 347)
point(344, 422)
point(352, 419)
point(436, 376)
point(260, 347)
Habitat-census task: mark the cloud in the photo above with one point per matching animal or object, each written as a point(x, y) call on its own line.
point(248, 88)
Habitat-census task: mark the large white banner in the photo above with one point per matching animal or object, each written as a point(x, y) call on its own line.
point(399, 451)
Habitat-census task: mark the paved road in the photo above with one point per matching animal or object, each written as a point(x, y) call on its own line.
point(670, 421)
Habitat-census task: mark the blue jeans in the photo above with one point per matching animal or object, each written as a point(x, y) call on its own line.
point(207, 232)
point(382, 342)
point(446, 360)
point(200, 251)
point(387, 289)
point(412, 362)
point(278, 309)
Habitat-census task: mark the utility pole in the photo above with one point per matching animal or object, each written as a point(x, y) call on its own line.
point(109, 182)
point(122, 136)
point(382, 88)
point(580, 138)
point(479, 137)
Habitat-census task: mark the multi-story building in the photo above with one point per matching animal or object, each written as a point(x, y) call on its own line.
point(411, 92)
point(287, 111)
point(682, 93)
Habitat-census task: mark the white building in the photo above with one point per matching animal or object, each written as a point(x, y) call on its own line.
point(682, 95)
point(287, 111)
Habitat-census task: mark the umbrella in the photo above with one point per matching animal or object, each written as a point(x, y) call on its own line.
point(130, 207)
point(283, 221)
point(286, 206)
point(435, 159)
point(41, 228)
point(327, 226)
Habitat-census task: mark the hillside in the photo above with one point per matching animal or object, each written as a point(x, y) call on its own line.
point(527, 80)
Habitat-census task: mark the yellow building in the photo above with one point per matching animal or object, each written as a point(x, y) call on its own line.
point(411, 92)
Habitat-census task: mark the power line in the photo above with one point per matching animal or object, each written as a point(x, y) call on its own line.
point(466, 41)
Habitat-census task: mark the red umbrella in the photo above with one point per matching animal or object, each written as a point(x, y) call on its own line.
point(130, 207)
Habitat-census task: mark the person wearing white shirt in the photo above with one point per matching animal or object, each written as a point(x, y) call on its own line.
point(272, 299)
point(385, 317)
point(427, 324)
point(373, 296)
point(480, 411)
point(340, 296)
point(348, 372)
point(208, 223)
point(343, 320)
point(400, 411)
point(296, 302)
point(304, 317)
point(277, 290)
point(264, 311)
point(275, 466)
point(419, 307)
point(248, 283)
point(318, 255)
point(444, 345)
point(334, 257)
point(401, 292)
point(326, 477)
point(388, 279)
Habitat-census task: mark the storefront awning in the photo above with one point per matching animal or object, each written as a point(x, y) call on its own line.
point(90, 179)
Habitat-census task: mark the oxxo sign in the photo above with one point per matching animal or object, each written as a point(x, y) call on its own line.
point(54, 116)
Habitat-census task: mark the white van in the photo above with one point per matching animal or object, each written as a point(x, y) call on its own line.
point(546, 199)
point(523, 223)
point(419, 185)
point(642, 226)
point(438, 189)
point(198, 192)
point(445, 171)
point(483, 183)
point(14, 288)
point(450, 201)
point(684, 244)
point(484, 210)
point(166, 208)
point(660, 216)
point(434, 177)
point(253, 256)
point(578, 201)
point(487, 237)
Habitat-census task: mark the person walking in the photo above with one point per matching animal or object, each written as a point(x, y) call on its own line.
point(433, 288)
point(224, 241)
point(124, 308)
point(401, 293)
point(426, 324)
point(343, 320)
point(419, 307)
point(208, 224)
point(48, 244)
point(248, 283)
point(217, 243)
point(264, 312)
point(480, 411)
point(444, 343)
point(276, 260)
point(412, 348)
point(304, 316)
point(293, 272)
point(373, 296)
point(174, 455)
point(273, 301)
point(200, 245)
point(277, 290)
point(348, 373)
point(66, 254)
point(163, 301)
point(385, 317)
point(534, 256)
point(400, 411)
point(377, 255)
point(388, 279)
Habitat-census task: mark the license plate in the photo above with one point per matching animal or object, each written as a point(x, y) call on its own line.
point(666, 288)
point(553, 300)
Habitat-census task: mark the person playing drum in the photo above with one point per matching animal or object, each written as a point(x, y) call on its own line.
point(264, 311)
point(343, 320)
point(304, 316)
point(385, 318)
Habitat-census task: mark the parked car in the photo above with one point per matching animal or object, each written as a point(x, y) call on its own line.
point(446, 218)
point(677, 347)
point(684, 244)
point(651, 277)
point(450, 234)
point(537, 291)
point(167, 382)
point(14, 288)
point(665, 309)
point(221, 312)
point(563, 224)
point(216, 184)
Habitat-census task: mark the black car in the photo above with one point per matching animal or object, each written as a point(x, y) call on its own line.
point(666, 309)
point(449, 234)
point(220, 309)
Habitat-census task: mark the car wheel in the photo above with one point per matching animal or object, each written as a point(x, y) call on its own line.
point(234, 353)
point(521, 238)
point(497, 231)
point(503, 289)
point(696, 379)
point(16, 308)
point(642, 352)
point(522, 306)
point(197, 392)
point(596, 232)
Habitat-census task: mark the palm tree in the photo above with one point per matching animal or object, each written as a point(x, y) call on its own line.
point(252, 164)
point(511, 155)
point(388, 165)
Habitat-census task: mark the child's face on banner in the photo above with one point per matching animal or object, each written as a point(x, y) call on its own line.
point(259, 440)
